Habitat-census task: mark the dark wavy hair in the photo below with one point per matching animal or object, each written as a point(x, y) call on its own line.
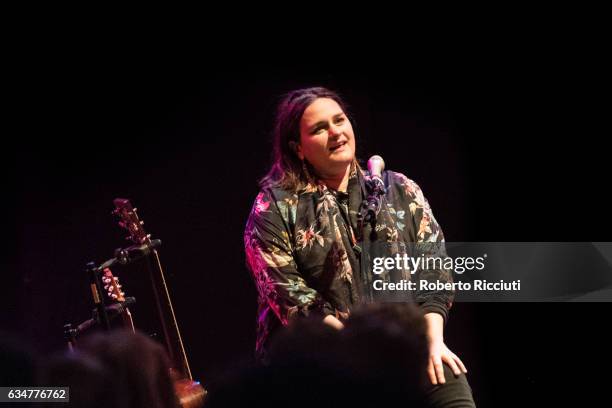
point(287, 170)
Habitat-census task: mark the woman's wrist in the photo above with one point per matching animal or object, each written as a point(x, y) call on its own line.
point(435, 327)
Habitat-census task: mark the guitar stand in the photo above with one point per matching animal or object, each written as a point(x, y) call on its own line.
point(102, 314)
point(71, 332)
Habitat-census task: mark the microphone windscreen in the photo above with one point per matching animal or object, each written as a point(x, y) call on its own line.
point(376, 165)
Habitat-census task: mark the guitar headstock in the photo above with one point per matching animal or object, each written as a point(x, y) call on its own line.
point(112, 286)
point(129, 220)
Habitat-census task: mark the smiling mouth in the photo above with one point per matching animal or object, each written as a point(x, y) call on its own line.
point(336, 147)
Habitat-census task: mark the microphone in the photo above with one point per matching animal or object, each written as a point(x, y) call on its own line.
point(376, 165)
point(376, 188)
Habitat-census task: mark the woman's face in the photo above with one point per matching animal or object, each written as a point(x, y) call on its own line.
point(326, 138)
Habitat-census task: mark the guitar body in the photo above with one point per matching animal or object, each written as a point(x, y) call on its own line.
point(190, 393)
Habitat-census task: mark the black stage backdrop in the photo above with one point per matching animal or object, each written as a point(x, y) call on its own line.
point(505, 148)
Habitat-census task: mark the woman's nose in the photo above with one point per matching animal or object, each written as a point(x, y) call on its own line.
point(335, 131)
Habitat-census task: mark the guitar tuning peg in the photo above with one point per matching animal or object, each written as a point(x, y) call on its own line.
point(141, 222)
point(149, 236)
point(135, 210)
point(114, 296)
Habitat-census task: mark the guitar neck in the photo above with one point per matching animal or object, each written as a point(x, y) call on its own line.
point(127, 320)
point(172, 333)
point(174, 342)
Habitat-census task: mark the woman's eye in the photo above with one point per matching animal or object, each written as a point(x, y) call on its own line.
point(340, 120)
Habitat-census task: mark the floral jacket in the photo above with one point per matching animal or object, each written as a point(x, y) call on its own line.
point(305, 249)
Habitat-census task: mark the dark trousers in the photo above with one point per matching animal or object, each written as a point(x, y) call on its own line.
point(455, 393)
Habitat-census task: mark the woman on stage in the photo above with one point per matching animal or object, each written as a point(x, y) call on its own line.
point(303, 238)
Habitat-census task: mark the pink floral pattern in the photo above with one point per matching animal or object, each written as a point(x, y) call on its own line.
point(298, 245)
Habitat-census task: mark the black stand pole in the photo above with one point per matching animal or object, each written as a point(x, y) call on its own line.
point(96, 291)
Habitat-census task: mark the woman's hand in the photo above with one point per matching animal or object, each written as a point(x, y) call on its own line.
point(438, 352)
point(333, 322)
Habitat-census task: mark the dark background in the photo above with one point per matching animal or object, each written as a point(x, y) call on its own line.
point(506, 147)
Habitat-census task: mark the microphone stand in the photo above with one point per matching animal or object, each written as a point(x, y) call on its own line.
point(373, 189)
point(370, 207)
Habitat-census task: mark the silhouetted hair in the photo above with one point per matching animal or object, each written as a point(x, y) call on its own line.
point(139, 365)
point(90, 383)
point(378, 359)
point(119, 369)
